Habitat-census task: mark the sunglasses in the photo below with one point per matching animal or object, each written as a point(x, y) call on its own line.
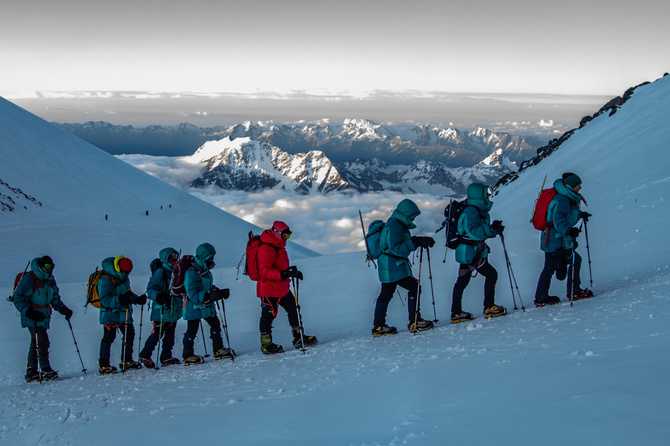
point(47, 267)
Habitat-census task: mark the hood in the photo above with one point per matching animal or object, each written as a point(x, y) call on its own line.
point(478, 197)
point(567, 191)
point(406, 212)
point(203, 253)
point(164, 255)
point(39, 272)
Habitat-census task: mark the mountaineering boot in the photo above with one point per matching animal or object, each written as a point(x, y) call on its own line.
point(549, 300)
point(32, 374)
point(170, 361)
point(298, 340)
point(224, 353)
point(271, 349)
point(107, 369)
point(495, 311)
point(582, 294)
point(193, 360)
point(130, 365)
point(417, 323)
point(383, 330)
point(461, 317)
point(147, 362)
point(267, 346)
point(49, 374)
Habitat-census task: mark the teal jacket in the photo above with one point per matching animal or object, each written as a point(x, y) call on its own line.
point(198, 282)
point(160, 283)
point(396, 243)
point(110, 286)
point(563, 213)
point(38, 290)
point(475, 224)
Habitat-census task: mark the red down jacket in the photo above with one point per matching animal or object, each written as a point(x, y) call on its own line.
point(272, 259)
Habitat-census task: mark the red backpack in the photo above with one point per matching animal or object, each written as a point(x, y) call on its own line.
point(183, 264)
point(539, 217)
point(251, 265)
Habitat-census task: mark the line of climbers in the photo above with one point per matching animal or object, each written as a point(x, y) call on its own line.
point(182, 286)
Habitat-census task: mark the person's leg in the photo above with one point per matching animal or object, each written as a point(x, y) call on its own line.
point(551, 262)
point(189, 338)
point(108, 337)
point(489, 272)
point(215, 333)
point(382, 304)
point(462, 282)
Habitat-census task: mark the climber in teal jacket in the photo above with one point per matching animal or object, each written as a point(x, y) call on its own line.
point(166, 310)
point(116, 312)
point(475, 226)
point(394, 268)
point(34, 297)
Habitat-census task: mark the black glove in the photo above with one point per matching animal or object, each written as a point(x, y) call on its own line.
point(65, 311)
point(163, 299)
point(217, 294)
point(291, 271)
point(299, 275)
point(423, 242)
point(35, 315)
point(585, 216)
point(140, 300)
point(126, 298)
point(573, 232)
point(498, 226)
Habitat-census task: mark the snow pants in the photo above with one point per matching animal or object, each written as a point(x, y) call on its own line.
point(386, 294)
point(39, 346)
point(166, 331)
point(192, 332)
point(464, 276)
point(128, 333)
point(270, 309)
point(560, 263)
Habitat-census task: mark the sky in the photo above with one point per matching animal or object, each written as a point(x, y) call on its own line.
point(593, 47)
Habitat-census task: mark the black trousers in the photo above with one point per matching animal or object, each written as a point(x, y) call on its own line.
point(386, 294)
point(192, 331)
point(39, 346)
point(464, 276)
point(560, 263)
point(270, 309)
point(167, 333)
point(128, 333)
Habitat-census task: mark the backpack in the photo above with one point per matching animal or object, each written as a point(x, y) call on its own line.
point(251, 265)
point(17, 280)
point(539, 216)
point(92, 296)
point(372, 239)
point(183, 264)
point(452, 212)
point(155, 265)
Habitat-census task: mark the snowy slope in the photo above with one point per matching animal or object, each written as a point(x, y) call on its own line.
point(77, 185)
point(589, 374)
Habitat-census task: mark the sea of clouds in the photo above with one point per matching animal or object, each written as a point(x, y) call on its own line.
point(327, 224)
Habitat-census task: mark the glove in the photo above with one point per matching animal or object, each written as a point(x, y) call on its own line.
point(163, 299)
point(498, 226)
point(423, 242)
point(299, 275)
point(140, 300)
point(585, 216)
point(573, 232)
point(291, 271)
point(35, 315)
point(65, 311)
point(217, 294)
point(126, 298)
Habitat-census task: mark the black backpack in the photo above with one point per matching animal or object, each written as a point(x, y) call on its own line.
point(452, 212)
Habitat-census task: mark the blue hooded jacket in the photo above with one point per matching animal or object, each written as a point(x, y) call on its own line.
point(160, 283)
point(110, 286)
point(198, 282)
point(475, 224)
point(39, 291)
point(563, 213)
point(396, 243)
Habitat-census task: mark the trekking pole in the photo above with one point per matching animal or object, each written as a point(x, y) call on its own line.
point(83, 369)
point(224, 321)
point(139, 344)
point(10, 299)
point(510, 273)
point(296, 289)
point(125, 332)
point(368, 257)
point(432, 291)
point(204, 344)
point(572, 281)
point(37, 351)
point(160, 335)
point(418, 292)
point(588, 252)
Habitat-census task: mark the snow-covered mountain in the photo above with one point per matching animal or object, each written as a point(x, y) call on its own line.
point(592, 373)
point(73, 200)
